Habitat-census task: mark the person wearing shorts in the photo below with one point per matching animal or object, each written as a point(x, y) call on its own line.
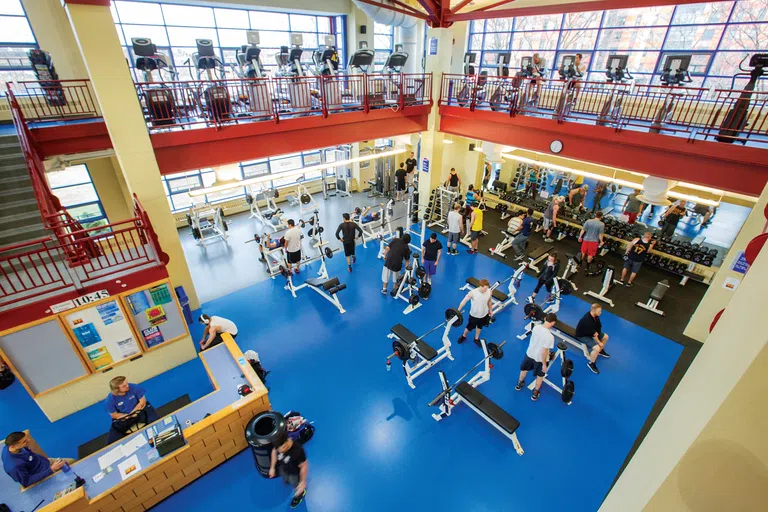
point(591, 238)
point(480, 311)
point(536, 357)
point(430, 256)
point(476, 227)
point(632, 206)
point(455, 229)
point(410, 167)
point(349, 231)
point(589, 331)
point(394, 254)
point(293, 246)
point(550, 218)
point(547, 277)
point(635, 256)
point(289, 461)
point(400, 175)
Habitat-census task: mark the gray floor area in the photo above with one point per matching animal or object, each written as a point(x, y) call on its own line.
point(221, 267)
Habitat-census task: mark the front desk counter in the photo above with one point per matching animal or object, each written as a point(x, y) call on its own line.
point(213, 428)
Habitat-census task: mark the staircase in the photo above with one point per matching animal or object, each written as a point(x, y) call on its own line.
point(19, 214)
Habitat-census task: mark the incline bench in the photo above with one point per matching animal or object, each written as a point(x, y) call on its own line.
point(538, 255)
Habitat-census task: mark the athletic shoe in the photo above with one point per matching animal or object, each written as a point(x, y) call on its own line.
point(461, 340)
point(470, 251)
point(520, 385)
point(593, 367)
point(549, 240)
point(349, 268)
point(354, 259)
point(393, 293)
point(298, 499)
point(477, 342)
point(529, 300)
point(605, 354)
point(535, 395)
point(629, 285)
point(384, 291)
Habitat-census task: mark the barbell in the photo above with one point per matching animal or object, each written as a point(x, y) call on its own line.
point(400, 348)
point(326, 253)
point(494, 352)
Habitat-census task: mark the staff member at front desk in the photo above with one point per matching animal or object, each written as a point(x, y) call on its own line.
point(127, 405)
point(25, 466)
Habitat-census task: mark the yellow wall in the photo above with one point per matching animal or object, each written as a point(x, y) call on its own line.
point(468, 164)
point(113, 191)
point(54, 35)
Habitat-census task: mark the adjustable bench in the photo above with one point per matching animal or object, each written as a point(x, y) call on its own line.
point(499, 299)
point(502, 246)
point(420, 351)
point(538, 255)
point(328, 288)
point(655, 297)
point(490, 412)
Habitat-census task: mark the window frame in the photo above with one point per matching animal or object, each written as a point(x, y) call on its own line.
point(29, 46)
point(97, 202)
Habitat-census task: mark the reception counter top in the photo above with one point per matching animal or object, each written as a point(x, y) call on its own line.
point(213, 431)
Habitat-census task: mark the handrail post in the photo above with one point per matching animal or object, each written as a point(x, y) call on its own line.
point(366, 100)
point(401, 99)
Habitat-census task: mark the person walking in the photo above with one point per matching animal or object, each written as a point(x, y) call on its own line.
point(670, 219)
point(637, 252)
point(455, 228)
point(289, 460)
point(632, 207)
point(476, 227)
point(537, 355)
point(591, 238)
point(349, 231)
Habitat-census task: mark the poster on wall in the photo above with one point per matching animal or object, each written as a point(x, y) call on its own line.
point(128, 347)
point(156, 315)
point(160, 294)
point(152, 336)
point(87, 335)
point(100, 357)
point(138, 302)
point(109, 312)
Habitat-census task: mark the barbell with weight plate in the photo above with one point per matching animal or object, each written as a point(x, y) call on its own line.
point(305, 198)
point(400, 349)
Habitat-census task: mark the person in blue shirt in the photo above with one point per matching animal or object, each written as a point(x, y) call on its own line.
point(25, 466)
point(127, 405)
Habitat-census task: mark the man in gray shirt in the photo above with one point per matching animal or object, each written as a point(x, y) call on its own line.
point(591, 238)
point(632, 206)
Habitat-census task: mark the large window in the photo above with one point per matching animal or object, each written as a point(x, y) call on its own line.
point(719, 35)
point(16, 38)
point(383, 42)
point(74, 188)
point(173, 29)
point(177, 185)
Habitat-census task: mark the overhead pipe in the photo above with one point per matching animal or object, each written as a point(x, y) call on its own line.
point(386, 16)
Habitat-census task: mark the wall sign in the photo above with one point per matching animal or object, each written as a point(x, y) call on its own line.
point(79, 301)
point(433, 46)
point(425, 165)
point(739, 263)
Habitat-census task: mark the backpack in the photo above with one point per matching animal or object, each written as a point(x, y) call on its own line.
point(299, 429)
point(260, 371)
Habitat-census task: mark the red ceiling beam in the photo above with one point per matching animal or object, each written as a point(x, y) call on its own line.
point(461, 6)
point(397, 9)
point(407, 7)
point(492, 6)
point(430, 7)
point(579, 6)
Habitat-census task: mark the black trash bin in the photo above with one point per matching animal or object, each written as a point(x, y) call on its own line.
point(261, 432)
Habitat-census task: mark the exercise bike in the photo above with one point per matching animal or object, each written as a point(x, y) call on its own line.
point(674, 74)
point(529, 77)
point(501, 96)
point(738, 116)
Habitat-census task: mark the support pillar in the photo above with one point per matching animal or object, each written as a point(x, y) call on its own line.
point(102, 53)
point(53, 32)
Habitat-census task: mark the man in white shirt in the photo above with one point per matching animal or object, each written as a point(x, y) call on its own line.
point(537, 356)
point(515, 223)
point(480, 311)
point(293, 246)
point(214, 326)
point(455, 229)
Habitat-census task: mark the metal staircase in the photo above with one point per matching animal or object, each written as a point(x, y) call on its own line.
point(20, 219)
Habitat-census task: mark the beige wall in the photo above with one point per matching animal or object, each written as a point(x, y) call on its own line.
point(726, 468)
point(54, 35)
point(468, 164)
point(113, 191)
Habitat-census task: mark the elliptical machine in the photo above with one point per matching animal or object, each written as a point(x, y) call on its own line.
point(571, 75)
point(738, 115)
point(326, 58)
point(216, 101)
point(249, 66)
point(42, 65)
point(530, 77)
point(616, 72)
point(159, 102)
point(361, 59)
point(674, 73)
point(395, 61)
point(501, 96)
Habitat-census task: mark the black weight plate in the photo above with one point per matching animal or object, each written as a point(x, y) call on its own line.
point(450, 313)
point(533, 311)
point(566, 370)
point(425, 290)
point(413, 300)
point(569, 389)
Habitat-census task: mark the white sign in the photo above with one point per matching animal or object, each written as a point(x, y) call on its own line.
point(731, 283)
point(79, 301)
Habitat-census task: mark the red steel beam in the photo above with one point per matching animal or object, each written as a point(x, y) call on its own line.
point(430, 7)
point(460, 6)
point(579, 6)
point(728, 167)
point(408, 7)
point(397, 9)
point(491, 6)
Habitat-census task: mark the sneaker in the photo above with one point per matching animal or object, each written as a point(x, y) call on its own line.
point(549, 240)
point(384, 291)
point(629, 285)
point(470, 251)
point(529, 299)
point(535, 395)
point(593, 367)
point(477, 342)
point(298, 499)
point(520, 385)
point(349, 268)
point(393, 292)
point(461, 340)
point(605, 354)
point(354, 259)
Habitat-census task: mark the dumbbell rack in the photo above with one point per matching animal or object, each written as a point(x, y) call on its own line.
point(442, 201)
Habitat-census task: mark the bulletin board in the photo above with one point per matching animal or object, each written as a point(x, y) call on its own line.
point(156, 314)
point(102, 333)
point(42, 355)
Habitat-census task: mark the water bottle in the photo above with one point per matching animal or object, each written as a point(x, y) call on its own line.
point(389, 365)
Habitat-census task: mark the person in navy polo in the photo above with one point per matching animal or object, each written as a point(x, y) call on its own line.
point(127, 405)
point(25, 466)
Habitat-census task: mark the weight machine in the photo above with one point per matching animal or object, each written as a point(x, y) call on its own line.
point(207, 224)
point(272, 252)
point(412, 214)
point(439, 207)
point(383, 183)
point(616, 72)
point(571, 75)
point(361, 59)
point(408, 348)
point(159, 102)
point(326, 57)
point(409, 288)
point(297, 93)
point(270, 215)
point(608, 283)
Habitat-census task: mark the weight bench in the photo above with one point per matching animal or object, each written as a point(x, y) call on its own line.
point(538, 255)
point(409, 347)
point(328, 288)
point(499, 299)
point(655, 297)
point(490, 412)
point(561, 331)
point(502, 246)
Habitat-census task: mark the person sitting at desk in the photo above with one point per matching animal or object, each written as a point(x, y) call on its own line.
point(214, 326)
point(25, 466)
point(127, 405)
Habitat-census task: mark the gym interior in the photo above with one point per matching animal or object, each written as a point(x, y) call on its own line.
point(201, 200)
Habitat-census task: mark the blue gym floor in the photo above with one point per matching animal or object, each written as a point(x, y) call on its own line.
point(376, 445)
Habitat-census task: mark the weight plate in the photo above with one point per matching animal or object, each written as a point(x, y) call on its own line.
point(450, 313)
point(425, 290)
point(400, 349)
point(569, 389)
point(328, 253)
point(413, 300)
point(305, 198)
point(566, 287)
point(533, 311)
point(495, 351)
point(566, 370)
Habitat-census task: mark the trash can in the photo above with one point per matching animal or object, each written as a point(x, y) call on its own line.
point(261, 432)
point(184, 303)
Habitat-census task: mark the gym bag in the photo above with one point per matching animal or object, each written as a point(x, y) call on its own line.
point(255, 362)
point(299, 429)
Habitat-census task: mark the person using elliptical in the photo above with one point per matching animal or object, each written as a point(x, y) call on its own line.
point(547, 277)
point(400, 175)
point(476, 227)
point(632, 207)
point(289, 460)
point(349, 230)
point(589, 331)
point(430, 256)
point(537, 355)
point(394, 254)
point(293, 246)
point(636, 253)
point(670, 218)
point(591, 238)
point(550, 218)
point(455, 228)
point(453, 182)
point(480, 311)
point(518, 244)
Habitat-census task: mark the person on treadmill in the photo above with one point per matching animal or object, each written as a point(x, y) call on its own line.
point(547, 277)
point(400, 175)
point(349, 231)
point(453, 182)
point(410, 167)
point(636, 253)
point(589, 331)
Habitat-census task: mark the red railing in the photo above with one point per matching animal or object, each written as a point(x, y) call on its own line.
point(737, 116)
point(673, 109)
point(55, 100)
point(31, 269)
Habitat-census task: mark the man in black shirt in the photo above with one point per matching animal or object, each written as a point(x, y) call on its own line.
point(430, 256)
point(400, 175)
point(410, 166)
point(349, 230)
point(453, 182)
point(290, 462)
point(547, 277)
point(394, 254)
point(589, 331)
point(636, 253)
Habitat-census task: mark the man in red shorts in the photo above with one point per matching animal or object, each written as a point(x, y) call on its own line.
point(591, 238)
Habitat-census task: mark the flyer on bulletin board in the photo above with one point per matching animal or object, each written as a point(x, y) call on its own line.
point(110, 312)
point(100, 357)
point(87, 335)
point(156, 315)
point(128, 347)
point(161, 294)
point(152, 336)
point(138, 302)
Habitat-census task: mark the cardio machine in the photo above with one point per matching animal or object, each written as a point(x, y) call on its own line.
point(249, 66)
point(570, 74)
point(361, 59)
point(502, 93)
point(738, 116)
point(395, 61)
point(159, 103)
point(216, 100)
point(616, 72)
point(674, 74)
point(532, 73)
point(326, 58)
point(299, 94)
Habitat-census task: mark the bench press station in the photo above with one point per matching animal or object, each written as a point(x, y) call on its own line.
point(466, 391)
point(502, 246)
point(407, 347)
point(326, 286)
point(499, 299)
point(561, 331)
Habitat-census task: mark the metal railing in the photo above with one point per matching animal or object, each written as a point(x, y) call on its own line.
point(725, 115)
point(31, 269)
point(58, 100)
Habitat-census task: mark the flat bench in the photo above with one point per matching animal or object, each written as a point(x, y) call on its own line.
point(495, 293)
point(480, 402)
point(325, 284)
point(566, 329)
point(537, 255)
point(424, 349)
